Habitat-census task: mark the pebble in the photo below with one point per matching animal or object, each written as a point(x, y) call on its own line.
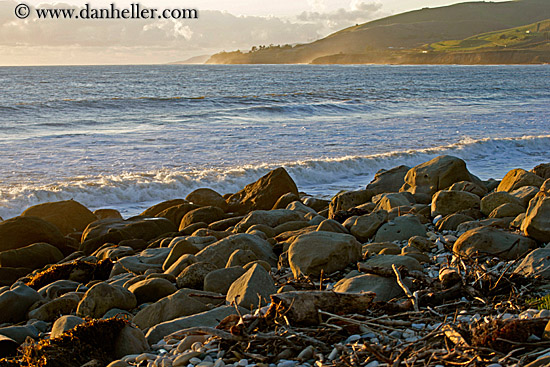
point(243, 362)
point(352, 338)
point(287, 364)
point(373, 364)
point(184, 358)
point(418, 326)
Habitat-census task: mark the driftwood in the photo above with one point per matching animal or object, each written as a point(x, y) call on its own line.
point(302, 307)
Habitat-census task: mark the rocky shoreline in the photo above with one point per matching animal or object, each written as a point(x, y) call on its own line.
point(426, 266)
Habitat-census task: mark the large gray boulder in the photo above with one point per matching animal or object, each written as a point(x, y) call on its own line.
point(219, 252)
point(536, 223)
point(313, 252)
point(220, 280)
point(15, 303)
point(252, 289)
point(535, 264)
point(517, 178)
point(388, 180)
point(400, 229)
point(447, 202)
point(102, 297)
point(365, 227)
point(34, 256)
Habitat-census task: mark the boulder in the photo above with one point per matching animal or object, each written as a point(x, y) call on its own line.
point(477, 189)
point(313, 252)
point(107, 213)
point(365, 226)
point(151, 290)
point(63, 305)
point(447, 202)
point(240, 257)
point(507, 210)
point(385, 288)
point(60, 287)
point(524, 194)
point(160, 207)
point(348, 200)
point(179, 246)
point(375, 248)
point(271, 218)
point(386, 261)
point(452, 221)
point(193, 275)
point(34, 256)
point(116, 230)
point(176, 213)
point(264, 193)
point(20, 333)
point(388, 180)
point(23, 231)
point(535, 264)
point(64, 323)
point(113, 252)
point(219, 252)
point(490, 241)
point(102, 297)
point(180, 264)
point(536, 223)
point(298, 206)
point(496, 199)
point(207, 319)
point(252, 289)
point(68, 216)
point(330, 225)
point(220, 280)
point(542, 170)
point(207, 197)
point(284, 200)
point(8, 346)
point(205, 214)
point(422, 243)
point(290, 226)
point(130, 340)
point(389, 201)
point(151, 258)
point(8, 276)
point(15, 303)
point(517, 178)
point(400, 229)
point(437, 174)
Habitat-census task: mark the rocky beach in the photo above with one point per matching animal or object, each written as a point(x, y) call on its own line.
point(425, 266)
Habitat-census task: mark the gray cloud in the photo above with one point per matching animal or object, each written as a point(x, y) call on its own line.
point(341, 18)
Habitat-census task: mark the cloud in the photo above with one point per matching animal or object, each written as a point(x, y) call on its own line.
point(360, 12)
point(152, 40)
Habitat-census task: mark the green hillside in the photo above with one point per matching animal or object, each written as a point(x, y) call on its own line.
point(407, 31)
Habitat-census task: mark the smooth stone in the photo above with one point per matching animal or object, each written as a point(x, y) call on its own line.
point(63, 305)
point(151, 290)
point(33, 256)
point(240, 257)
point(517, 178)
point(130, 340)
point(220, 280)
point(193, 275)
point(252, 289)
point(64, 323)
point(385, 288)
point(16, 302)
point(496, 199)
point(386, 261)
point(20, 333)
point(365, 227)
point(447, 202)
point(536, 263)
point(23, 231)
point(400, 229)
point(101, 297)
point(388, 180)
point(68, 216)
point(536, 223)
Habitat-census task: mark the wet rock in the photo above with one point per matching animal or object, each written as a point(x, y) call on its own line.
point(219, 252)
point(208, 318)
point(68, 216)
point(193, 275)
point(151, 290)
point(314, 252)
point(34, 256)
point(400, 229)
point(437, 174)
point(65, 323)
point(447, 202)
point(220, 280)
point(176, 305)
point(23, 231)
point(101, 297)
point(388, 180)
point(264, 193)
point(116, 230)
point(517, 178)
point(16, 302)
point(252, 289)
point(385, 288)
point(489, 241)
point(364, 227)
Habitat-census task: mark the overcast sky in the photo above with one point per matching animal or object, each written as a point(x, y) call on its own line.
point(222, 25)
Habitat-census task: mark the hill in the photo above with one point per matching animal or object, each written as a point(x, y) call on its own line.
point(400, 33)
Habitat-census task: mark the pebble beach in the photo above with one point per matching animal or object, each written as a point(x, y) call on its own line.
point(426, 265)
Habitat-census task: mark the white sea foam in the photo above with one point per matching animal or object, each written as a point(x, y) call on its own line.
point(131, 192)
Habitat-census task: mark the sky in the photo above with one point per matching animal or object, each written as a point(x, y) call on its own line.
point(221, 26)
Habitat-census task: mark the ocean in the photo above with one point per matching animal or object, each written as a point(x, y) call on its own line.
point(127, 137)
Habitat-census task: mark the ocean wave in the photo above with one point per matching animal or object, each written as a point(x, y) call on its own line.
point(131, 192)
